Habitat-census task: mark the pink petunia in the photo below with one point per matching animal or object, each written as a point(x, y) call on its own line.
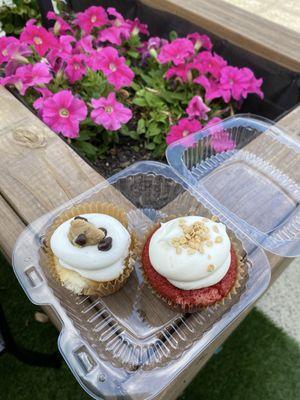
point(251, 84)
point(220, 139)
point(63, 51)
point(200, 41)
point(182, 71)
point(118, 31)
point(27, 76)
point(184, 128)
point(206, 62)
point(197, 108)
point(211, 87)
point(85, 44)
point(5, 42)
point(110, 113)
point(13, 53)
point(61, 26)
point(92, 17)
point(238, 83)
point(151, 46)
point(76, 67)
point(63, 112)
point(38, 37)
point(39, 102)
point(114, 67)
point(177, 51)
point(136, 27)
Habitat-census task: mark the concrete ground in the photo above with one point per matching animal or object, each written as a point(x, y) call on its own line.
point(281, 303)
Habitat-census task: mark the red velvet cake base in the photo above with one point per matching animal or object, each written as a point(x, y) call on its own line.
point(188, 299)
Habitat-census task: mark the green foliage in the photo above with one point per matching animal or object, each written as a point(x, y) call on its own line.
point(13, 19)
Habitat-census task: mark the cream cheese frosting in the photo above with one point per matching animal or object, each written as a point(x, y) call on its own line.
point(187, 268)
point(88, 261)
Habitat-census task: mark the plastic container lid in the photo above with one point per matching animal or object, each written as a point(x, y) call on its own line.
point(130, 345)
point(243, 166)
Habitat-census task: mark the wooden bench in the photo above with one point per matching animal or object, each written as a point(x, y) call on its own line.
point(36, 180)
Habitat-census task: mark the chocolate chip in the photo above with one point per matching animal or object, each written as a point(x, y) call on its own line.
point(79, 217)
point(105, 244)
point(104, 231)
point(81, 239)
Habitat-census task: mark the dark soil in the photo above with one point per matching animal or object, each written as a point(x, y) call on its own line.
point(121, 157)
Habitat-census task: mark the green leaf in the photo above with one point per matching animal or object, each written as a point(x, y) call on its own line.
point(150, 146)
point(173, 35)
point(87, 148)
point(153, 100)
point(139, 101)
point(141, 126)
point(132, 53)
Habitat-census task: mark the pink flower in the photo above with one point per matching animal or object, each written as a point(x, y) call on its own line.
point(39, 103)
point(136, 27)
point(206, 62)
point(92, 17)
point(211, 122)
point(62, 52)
point(211, 86)
point(110, 113)
point(60, 26)
point(85, 44)
point(184, 128)
point(220, 139)
point(182, 71)
point(13, 53)
point(114, 67)
point(63, 112)
point(151, 46)
point(238, 83)
point(38, 37)
point(177, 51)
point(5, 42)
point(27, 76)
point(118, 31)
point(197, 108)
point(76, 67)
point(200, 41)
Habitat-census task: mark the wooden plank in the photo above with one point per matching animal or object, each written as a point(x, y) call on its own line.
point(240, 27)
point(286, 13)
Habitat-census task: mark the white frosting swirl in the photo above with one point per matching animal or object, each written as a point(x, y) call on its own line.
point(190, 271)
point(88, 261)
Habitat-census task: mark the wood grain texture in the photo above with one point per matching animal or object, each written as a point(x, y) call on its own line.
point(285, 13)
point(240, 27)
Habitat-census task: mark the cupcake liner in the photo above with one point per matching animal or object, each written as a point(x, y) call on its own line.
point(235, 291)
point(68, 278)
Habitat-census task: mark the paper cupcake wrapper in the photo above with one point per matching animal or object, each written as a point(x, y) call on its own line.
point(91, 287)
point(234, 293)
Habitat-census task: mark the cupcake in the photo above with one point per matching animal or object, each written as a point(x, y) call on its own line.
point(190, 262)
point(89, 249)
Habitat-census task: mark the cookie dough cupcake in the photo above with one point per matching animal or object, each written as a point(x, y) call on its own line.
point(89, 249)
point(190, 262)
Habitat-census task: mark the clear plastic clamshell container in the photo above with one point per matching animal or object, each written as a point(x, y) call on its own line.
point(130, 345)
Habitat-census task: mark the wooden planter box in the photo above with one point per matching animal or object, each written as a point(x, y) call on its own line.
point(36, 180)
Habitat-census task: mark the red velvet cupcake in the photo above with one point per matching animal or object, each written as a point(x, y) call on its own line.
point(190, 263)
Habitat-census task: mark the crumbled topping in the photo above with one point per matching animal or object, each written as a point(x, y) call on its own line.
point(210, 267)
point(218, 239)
point(214, 218)
point(195, 237)
point(215, 229)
